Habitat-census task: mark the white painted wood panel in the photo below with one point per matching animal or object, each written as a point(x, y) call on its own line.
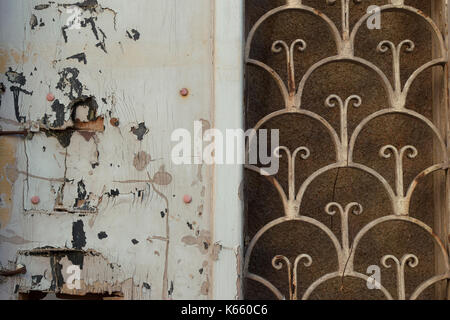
point(114, 193)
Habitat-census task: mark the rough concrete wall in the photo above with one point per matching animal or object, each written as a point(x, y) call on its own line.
point(110, 199)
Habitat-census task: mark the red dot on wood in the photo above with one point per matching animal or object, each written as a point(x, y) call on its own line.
point(50, 97)
point(187, 199)
point(184, 92)
point(35, 200)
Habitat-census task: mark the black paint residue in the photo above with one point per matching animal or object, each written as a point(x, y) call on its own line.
point(36, 280)
point(85, 5)
point(82, 202)
point(16, 77)
point(146, 286)
point(102, 43)
point(63, 137)
point(41, 6)
point(68, 81)
point(57, 277)
point(90, 102)
point(78, 235)
point(113, 193)
point(33, 22)
point(81, 57)
point(64, 33)
point(140, 131)
point(16, 93)
point(2, 91)
point(134, 241)
point(97, 32)
point(77, 258)
point(170, 292)
point(135, 35)
point(59, 110)
point(91, 21)
point(102, 235)
point(81, 190)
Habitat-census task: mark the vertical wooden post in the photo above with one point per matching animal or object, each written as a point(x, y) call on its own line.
point(441, 119)
point(228, 114)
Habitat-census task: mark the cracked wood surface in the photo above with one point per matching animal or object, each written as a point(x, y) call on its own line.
point(112, 194)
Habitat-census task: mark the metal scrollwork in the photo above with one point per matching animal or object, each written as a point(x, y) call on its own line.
point(345, 142)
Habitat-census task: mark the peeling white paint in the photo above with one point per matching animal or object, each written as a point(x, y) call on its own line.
point(134, 219)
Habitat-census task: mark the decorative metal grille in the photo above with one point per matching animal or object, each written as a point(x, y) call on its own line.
point(345, 142)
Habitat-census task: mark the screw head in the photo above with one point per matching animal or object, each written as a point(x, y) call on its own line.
point(187, 199)
point(114, 122)
point(184, 92)
point(50, 97)
point(35, 200)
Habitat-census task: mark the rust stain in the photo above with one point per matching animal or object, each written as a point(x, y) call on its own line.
point(141, 160)
point(19, 57)
point(200, 210)
point(162, 177)
point(184, 92)
point(216, 248)
point(205, 288)
point(87, 135)
point(114, 122)
point(11, 173)
point(16, 56)
point(3, 60)
point(95, 125)
point(12, 273)
point(7, 178)
point(203, 243)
